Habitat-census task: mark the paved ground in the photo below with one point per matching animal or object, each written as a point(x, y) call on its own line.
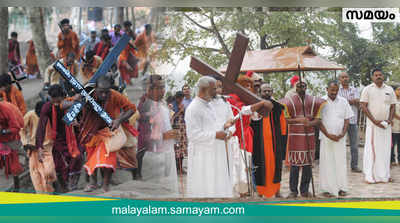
point(357, 187)
point(146, 189)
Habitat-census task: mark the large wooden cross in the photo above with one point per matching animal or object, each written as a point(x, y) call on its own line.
point(232, 72)
point(77, 107)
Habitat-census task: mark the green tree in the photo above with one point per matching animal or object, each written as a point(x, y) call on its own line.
point(208, 33)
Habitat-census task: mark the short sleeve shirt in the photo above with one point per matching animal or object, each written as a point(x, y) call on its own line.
point(379, 100)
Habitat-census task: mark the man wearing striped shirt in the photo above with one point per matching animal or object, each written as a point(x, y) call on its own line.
point(353, 97)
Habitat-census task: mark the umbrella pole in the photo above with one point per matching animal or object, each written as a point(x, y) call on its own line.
point(307, 140)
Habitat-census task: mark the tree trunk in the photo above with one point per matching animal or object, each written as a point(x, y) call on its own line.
point(39, 37)
point(119, 15)
point(4, 40)
point(80, 22)
point(133, 18)
point(111, 16)
point(263, 37)
point(126, 13)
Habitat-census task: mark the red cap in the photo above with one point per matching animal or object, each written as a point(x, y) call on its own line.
point(294, 79)
point(249, 73)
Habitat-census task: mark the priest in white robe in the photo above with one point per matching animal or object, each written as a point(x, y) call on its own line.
point(336, 116)
point(377, 102)
point(208, 172)
point(225, 119)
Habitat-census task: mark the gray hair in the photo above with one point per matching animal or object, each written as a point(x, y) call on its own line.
point(266, 85)
point(204, 82)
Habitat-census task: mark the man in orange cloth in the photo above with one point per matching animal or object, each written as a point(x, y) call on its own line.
point(90, 65)
point(143, 43)
point(67, 40)
point(103, 47)
point(32, 67)
point(127, 61)
point(57, 140)
point(11, 122)
point(11, 94)
point(95, 134)
point(269, 147)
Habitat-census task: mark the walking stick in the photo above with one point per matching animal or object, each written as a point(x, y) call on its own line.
point(227, 157)
point(307, 142)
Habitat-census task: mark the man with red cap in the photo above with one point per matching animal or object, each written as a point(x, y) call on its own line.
point(257, 81)
point(293, 82)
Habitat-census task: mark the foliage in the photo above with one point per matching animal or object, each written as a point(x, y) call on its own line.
point(208, 33)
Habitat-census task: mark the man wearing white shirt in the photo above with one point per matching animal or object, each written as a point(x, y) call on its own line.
point(335, 122)
point(377, 102)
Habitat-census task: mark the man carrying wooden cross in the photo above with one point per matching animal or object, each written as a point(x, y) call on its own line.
point(95, 134)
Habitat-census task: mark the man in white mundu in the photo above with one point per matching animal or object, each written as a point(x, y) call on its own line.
point(336, 116)
point(208, 171)
point(377, 102)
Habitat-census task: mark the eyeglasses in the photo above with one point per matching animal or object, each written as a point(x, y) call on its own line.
point(301, 85)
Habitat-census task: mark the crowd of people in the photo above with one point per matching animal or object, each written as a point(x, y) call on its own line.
point(83, 57)
point(287, 136)
point(231, 148)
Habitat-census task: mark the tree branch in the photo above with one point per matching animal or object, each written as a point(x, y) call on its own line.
point(219, 37)
point(197, 24)
point(185, 46)
point(242, 25)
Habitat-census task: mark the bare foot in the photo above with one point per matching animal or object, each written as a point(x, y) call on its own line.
point(105, 188)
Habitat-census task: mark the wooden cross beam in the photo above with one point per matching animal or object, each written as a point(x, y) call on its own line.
point(77, 107)
point(232, 72)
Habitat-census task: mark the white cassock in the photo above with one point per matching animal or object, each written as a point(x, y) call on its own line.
point(332, 164)
point(236, 155)
point(376, 164)
point(159, 164)
point(207, 174)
